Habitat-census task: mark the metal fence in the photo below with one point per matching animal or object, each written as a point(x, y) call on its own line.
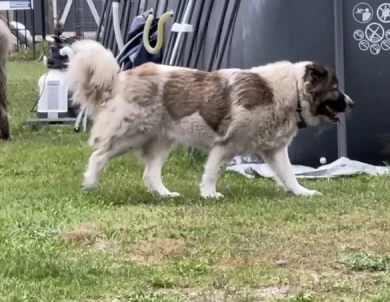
point(35, 22)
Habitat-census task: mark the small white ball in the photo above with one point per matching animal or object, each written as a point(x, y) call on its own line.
point(323, 160)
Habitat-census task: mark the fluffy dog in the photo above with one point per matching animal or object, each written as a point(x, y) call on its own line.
point(5, 47)
point(226, 112)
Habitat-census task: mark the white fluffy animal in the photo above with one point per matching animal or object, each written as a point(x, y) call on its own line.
point(226, 112)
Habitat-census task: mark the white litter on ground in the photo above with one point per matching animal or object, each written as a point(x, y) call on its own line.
point(341, 167)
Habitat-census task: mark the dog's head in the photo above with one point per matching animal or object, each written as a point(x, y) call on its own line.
point(321, 90)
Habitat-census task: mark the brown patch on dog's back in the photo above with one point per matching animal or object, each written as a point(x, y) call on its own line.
point(190, 91)
point(251, 90)
point(144, 87)
point(145, 70)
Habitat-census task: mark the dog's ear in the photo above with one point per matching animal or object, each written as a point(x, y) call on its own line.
point(316, 77)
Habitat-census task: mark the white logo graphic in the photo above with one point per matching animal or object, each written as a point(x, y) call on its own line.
point(383, 12)
point(387, 34)
point(375, 49)
point(374, 32)
point(385, 45)
point(362, 12)
point(358, 35)
point(364, 45)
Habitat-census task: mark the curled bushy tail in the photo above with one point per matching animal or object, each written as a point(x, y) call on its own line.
point(92, 75)
point(5, 47)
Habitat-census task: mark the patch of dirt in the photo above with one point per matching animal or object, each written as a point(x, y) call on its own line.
point(230, 263)
point(82, 233)
point(260, 294)
point(158, 250)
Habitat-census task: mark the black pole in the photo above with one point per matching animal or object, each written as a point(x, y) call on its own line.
point(202, 36)
point(229, 32)
point(217, 36)
point(17, 28)
point(33, 31)
point(43, 19)
point(108, 32)
point(102, 18)
point(195, 33)
point(123, 18)
point(128, 19)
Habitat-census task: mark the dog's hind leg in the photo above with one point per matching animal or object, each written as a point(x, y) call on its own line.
point(154, 154)
point(279, 162)
point(97, 161)
point(113, 147)
point(219, 157)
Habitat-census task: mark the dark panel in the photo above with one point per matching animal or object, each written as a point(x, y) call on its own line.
point(367, 78)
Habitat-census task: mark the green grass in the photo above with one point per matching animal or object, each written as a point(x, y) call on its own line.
point(120, 243)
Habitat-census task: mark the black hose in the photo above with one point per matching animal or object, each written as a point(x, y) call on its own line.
point(217, 36)
point(229, 32)
point(202, 33)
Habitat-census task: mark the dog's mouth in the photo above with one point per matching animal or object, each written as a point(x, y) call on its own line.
point(327, 111)
point(331, 114)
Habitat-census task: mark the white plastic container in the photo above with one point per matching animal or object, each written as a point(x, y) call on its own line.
point(53, 92)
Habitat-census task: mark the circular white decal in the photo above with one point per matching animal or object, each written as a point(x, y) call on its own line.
point(364, 45)
point(375, 49)
point(358, 35)
point(383, 12)
point(385, 44)
point(374, 32)
point(362, 12)
point(387, 34)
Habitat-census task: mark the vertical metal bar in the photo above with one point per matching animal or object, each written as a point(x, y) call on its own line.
point(32, 12)
point(25, 27)
point(43, 19)
point(339, 65)
point(17, 30)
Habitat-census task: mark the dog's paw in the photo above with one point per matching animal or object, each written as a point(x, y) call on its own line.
point(88, 187)
point(170, 194)
point(164, 193)
point(306, 192)
point(90, 182)
point(211, 195)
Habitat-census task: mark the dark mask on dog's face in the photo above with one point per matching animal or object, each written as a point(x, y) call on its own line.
point(321, 84)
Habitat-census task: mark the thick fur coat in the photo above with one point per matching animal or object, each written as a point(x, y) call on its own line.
point(5, 47)
point(226, 112)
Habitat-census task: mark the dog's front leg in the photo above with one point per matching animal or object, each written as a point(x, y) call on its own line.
point(217, 161)
point(280, 164)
